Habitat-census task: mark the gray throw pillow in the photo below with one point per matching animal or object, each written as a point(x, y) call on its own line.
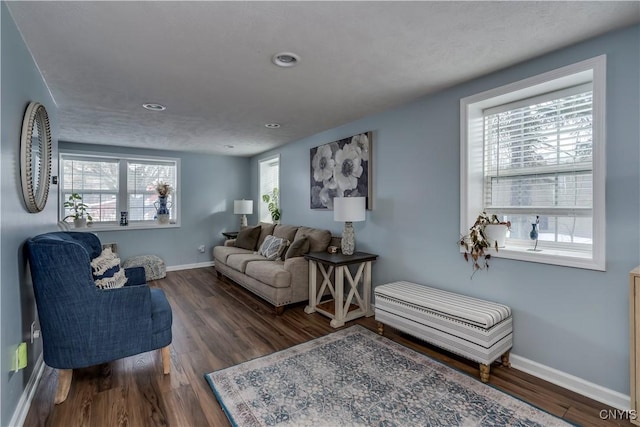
point(248, 238)
point(298, 248)
point(272, 247)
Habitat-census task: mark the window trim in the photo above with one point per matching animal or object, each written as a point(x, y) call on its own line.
point(471, 173)
point(114, 225)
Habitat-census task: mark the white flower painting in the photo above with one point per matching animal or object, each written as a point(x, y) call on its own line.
point(341, 169)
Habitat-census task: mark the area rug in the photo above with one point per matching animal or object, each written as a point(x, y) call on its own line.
point(354, 377)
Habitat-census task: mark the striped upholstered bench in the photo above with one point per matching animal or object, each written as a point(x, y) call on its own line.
point(470, 327)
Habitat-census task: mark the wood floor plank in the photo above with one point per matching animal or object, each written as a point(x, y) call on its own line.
point(218, 324)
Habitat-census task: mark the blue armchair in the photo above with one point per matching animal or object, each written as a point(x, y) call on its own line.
point(83, 325)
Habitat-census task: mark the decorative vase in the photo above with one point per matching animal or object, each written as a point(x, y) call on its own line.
point(533, 234)
point(162, 209)
point(496, 233)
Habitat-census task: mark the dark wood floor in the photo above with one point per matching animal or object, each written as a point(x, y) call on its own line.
point(218, 324)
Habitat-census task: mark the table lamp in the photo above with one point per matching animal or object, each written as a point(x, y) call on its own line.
point(243, 207)
point(348, 210)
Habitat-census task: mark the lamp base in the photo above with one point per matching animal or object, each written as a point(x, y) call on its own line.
point(243, 221)
point(348, 239)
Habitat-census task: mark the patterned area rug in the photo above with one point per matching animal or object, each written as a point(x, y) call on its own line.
point(355, 377)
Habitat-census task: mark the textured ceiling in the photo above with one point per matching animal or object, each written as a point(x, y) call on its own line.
point(210, 62)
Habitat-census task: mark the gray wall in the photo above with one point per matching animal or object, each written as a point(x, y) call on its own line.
point(21, 83)
point(570, 319)
point(208, 186)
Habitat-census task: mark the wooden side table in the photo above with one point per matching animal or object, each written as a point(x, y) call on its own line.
point(340, 309)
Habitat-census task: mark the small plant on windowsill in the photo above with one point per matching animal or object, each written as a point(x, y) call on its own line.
point(476, 243)
point(79, 209)
point(271, 199)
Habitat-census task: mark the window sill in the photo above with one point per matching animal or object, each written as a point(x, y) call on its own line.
point(548, 256)
point(132, 226)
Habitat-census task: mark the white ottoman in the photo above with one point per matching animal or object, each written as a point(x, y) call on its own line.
point(476, 329)
point(154, 267)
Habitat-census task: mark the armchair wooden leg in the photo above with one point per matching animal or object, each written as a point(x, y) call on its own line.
point(64, 384)
point(166, 360)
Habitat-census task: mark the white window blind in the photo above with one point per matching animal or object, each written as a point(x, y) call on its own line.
point(96, 180)
point(269, 179)
point(111, 184)
point(538, 162)
point(141, 188)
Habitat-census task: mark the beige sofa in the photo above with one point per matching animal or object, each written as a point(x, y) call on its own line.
point(280, 282)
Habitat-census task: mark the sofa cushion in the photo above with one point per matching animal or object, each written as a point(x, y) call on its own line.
point(239, 261)
point(248, 238)
point(273, 247)
point(287, 232)
point(298, 248)
point(266, 229)
point(220, 253)
point(271, 273)
point(318, 239)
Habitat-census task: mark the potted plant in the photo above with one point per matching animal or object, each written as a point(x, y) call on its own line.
point(487, 232)
point(271, 199)
point(74, 203)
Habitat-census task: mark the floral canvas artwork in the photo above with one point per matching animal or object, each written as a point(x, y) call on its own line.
point(341, 169)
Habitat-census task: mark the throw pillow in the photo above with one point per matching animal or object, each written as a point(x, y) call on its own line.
point(272, 247)
point(298, 248)
point(248, 237)
point(106, 270)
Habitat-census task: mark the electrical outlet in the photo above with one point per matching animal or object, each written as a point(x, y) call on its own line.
point(201, 249)
point(35, 333)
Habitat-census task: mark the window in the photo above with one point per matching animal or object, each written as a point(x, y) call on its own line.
point(534, 151)
point(269, 180)
point(110, 185)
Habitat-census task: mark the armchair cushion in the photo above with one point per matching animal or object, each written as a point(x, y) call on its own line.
point(106, 270)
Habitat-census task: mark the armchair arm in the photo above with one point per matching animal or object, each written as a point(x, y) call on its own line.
point(135, 276)
point(122, 322)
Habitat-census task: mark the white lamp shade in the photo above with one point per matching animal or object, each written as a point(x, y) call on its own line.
point(349, 209)
point(243, 207)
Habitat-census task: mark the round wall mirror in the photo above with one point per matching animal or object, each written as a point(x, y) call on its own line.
point(35, 157)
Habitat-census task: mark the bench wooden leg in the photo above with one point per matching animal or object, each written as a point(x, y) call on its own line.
point(380, 328)
point(166, 360)
point(505, 359)
point(279, 310)
point(64, 384)
point(485, 371)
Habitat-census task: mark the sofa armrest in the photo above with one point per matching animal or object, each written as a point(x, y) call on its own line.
point(230, 242)
point(298, 267)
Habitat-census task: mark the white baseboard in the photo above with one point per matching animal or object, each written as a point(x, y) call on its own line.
point(190, 266)
point(571, 382)
point(20, 414)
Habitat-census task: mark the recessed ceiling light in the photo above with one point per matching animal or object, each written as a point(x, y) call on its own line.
point(154, 107)
point(285, 59)
point(272, 125)
point(229, 146)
